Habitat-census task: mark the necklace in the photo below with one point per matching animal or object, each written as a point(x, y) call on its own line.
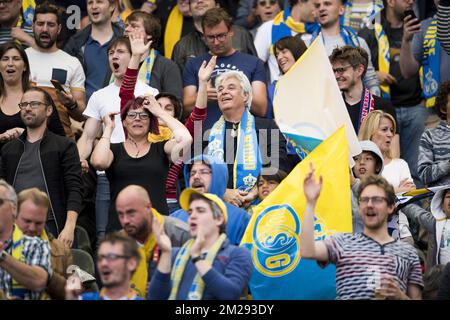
point(136, 146)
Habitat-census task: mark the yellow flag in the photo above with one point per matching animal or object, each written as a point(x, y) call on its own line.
point(273, 233)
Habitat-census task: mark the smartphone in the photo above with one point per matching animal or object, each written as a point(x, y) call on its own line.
point(57, 85)
point(410, 13)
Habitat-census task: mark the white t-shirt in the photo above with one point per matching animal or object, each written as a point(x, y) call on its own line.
point(396, 171)
point(444, 247)
point(57, 65)
point(263, 43)
point(107, 100)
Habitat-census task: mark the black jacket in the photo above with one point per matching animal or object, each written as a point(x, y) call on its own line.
point(61, 167)
point(77, 43)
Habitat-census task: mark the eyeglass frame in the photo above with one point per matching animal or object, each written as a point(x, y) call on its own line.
point(202, 172)
point(111, 257)
point(341, 70)
point(271, 2)
point(376, 200)
point(138, 114)
point(6, 2)
point(220, 37)
point(3, 200)
point(37, 105)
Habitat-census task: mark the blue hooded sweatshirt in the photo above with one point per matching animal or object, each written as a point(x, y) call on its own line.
point(237, 218)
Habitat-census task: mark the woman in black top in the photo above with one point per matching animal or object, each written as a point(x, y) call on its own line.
point(14, 80)
point(137, 161)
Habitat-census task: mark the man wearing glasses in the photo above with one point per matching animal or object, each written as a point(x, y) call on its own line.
point(218, 33)
point(371, 264)
point(349, 67)
point(207, 176)
point(41, 159)
point(117, 260)
point(193, 44)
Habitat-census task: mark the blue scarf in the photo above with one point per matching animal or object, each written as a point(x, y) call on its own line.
point(283, 25)
point(348, 34)
point(247, 162)
point(430, 63)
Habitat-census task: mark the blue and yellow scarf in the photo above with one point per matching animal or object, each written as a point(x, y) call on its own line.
point(284, 24)
point(384, 56)
point(431, 77)
point(145, 71)
point(181, 260)
point(247, 163)
point(348, 34)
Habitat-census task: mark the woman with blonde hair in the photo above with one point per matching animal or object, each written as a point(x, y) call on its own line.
point(380, 128)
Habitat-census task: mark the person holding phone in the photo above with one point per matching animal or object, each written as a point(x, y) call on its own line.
point(420, 48)
point(48, 63)
point(385, 41)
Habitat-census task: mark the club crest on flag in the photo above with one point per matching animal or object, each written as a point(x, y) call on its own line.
point(276, 250)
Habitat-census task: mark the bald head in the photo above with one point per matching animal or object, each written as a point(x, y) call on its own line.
point(133, 206)
point(135, 192)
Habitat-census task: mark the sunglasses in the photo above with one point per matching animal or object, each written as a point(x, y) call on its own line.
point(111, 257)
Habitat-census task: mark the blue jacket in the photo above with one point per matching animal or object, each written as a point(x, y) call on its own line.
point(237, 218)
point(229, 275)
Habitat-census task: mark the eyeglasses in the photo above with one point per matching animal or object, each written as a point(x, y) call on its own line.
point(110, 257)
point(220, 37)
point(341, 70)
point(264, 3)
point(201, 172)
point(375, 200)
point(32, 104)
point(3, 200)
point(142, 115)
point(6, 2)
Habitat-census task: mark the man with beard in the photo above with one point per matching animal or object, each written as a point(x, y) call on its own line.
point(41, 159)
point(205, 175)
point(136, 216)
point(371, 264)
point(90, 45)
point(47, 63)
point(117, 260)
point(349, 67)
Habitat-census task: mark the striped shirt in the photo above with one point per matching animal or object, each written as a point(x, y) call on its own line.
point(5, 34)
point(36, 252)
point(360, 261)
point(434, 156)
point(443, 25)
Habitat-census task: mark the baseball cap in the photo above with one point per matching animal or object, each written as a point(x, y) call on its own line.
point(186, 195)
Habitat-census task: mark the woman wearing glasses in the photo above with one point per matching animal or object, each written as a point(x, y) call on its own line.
point(138, 161)
point(14, 80)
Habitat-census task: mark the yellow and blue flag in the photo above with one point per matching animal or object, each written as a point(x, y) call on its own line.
point(28, 7)
point(308, 105)
point(272, 235)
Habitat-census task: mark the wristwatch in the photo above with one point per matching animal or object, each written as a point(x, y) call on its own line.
point(2, 255)
point(72, 106)
point(197, 258)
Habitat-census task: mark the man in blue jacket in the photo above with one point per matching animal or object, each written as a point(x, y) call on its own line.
point(204, 174)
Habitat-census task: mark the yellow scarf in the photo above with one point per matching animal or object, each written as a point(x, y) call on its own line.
point(140, 277)
point(298, 27)
point(174, 27)
point(164, 134)
point(383, 55)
